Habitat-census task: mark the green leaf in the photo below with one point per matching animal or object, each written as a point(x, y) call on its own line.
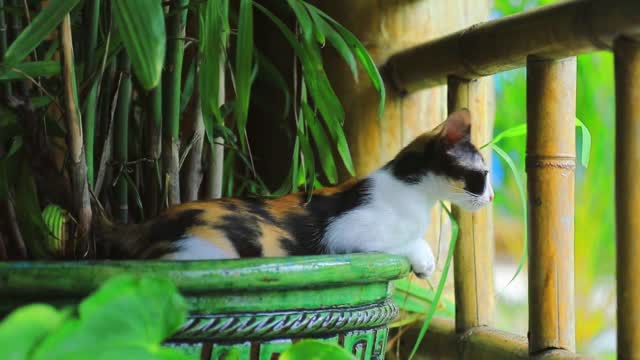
point(303, 19)
point(42, 25)
point(319, 87)
point(363, 56)
point(521, 130)
point(273, 75)
point(315, 350)
point(523, 201)
point(214, 31)
point(336, 41)
point(128, 317)
point(455, 228)
point(518, 130)
point(25, 328)
point(187, 90)
point(322, 143)
point(31, 69)
point(243, 69)
point(343, 147)
point(141, 26)
point(307, 155)
point(585, 151)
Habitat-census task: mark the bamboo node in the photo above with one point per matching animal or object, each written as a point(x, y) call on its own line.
point(558, 162)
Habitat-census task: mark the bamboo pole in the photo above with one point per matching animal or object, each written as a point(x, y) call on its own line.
point(554, 32)
point(551, 114)
point(627, 74)
point(91, 19)
point(78, 166)
point(213, 189)
point(6, 87)
point(153, 149)
point(473, 259)
point(443, 342)
point(121, 138)
point(171, 83)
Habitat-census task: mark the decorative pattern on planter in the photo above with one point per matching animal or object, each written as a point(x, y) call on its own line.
point(363, 344)
point(228, 327)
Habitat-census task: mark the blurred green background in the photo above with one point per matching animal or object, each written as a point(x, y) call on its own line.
point(594, 223)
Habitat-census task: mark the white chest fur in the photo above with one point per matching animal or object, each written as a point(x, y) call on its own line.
point(393, 220)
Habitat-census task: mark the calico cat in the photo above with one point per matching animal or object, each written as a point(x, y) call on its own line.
point(386, 211)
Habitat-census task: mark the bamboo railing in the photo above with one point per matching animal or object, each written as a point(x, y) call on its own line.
point(546, 41)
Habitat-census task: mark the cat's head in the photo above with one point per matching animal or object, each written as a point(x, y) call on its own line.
point(447, 164)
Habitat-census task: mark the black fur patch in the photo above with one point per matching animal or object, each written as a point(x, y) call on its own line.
point(243, 232)
point(257, 207)
point(296, 248)
point(229, 205)
point(171, 229)
point(441, 159)
point(309, 228)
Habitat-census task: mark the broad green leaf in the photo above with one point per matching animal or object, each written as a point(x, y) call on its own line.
point(54, 218)
point(42, 25)
point(31, 69)
point(322, 144)
point(523, 201)
point(214, 32)
point(363, 56)
point(336, 41)
point(141, 26)
point(315, 350)
point(25, 328)
point(443, 279)
point(244, 65)
point(128, 316)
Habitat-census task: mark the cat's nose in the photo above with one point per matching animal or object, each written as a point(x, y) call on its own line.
point(491, 195)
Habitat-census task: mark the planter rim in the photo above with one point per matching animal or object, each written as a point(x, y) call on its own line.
point(81, 277)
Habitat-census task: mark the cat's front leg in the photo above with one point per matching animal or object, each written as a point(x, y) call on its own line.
point(421, 257)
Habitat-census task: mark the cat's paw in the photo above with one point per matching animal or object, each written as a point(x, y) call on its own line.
point(424, 270)
point(423, 263)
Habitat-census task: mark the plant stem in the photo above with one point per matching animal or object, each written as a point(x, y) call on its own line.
point(121, 137)
point(153, 148)
point(193, 164)
point(6, 86)
point(15, 21)
point(91, 19)
point(192, 168)
point(171, 95)
point(77, 165)
point(216, 150)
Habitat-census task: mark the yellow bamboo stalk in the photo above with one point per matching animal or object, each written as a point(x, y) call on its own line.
point(551, 108)
point(473, 261)
point(627, 70)
point(555, 31)
point(443, 342)
point(78, 167)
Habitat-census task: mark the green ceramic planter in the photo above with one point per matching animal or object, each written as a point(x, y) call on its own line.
point(257, 306)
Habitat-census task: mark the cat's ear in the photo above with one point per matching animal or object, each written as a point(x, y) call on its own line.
point(457, 127)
